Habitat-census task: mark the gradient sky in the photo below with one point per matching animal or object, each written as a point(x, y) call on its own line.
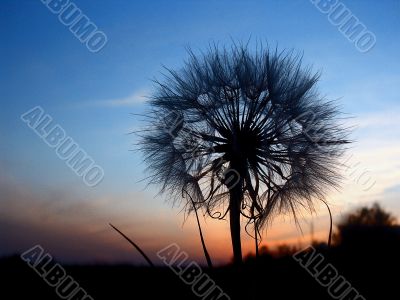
point(92, 96)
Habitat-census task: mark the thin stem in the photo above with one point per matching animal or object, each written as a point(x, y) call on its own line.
point(331, 224)
point(256, 239)
point(206, 254)
point(134, 245)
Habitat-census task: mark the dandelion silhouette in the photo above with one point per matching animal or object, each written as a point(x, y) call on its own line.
point(244, 133)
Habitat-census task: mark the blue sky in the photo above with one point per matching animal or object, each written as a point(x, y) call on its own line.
point(92, 96)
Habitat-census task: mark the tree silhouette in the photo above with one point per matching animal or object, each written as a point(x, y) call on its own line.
point(368, 227)
point(368, 216)
point(243, 132)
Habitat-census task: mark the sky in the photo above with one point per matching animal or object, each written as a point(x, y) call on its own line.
point(94, 97)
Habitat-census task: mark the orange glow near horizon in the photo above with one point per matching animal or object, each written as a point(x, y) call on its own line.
point(78, 232)
point(75, 228)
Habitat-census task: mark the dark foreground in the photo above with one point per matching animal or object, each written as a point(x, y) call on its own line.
point(372, 270)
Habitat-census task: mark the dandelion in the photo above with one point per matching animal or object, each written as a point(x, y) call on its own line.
point(244, 133)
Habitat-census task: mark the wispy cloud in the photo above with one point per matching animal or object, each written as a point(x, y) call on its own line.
point(136, 98)
point(378, 119)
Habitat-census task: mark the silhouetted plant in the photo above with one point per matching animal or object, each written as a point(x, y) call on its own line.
point(243, 132)
point(136, 246)
point(368, 227)
point(368, 216)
